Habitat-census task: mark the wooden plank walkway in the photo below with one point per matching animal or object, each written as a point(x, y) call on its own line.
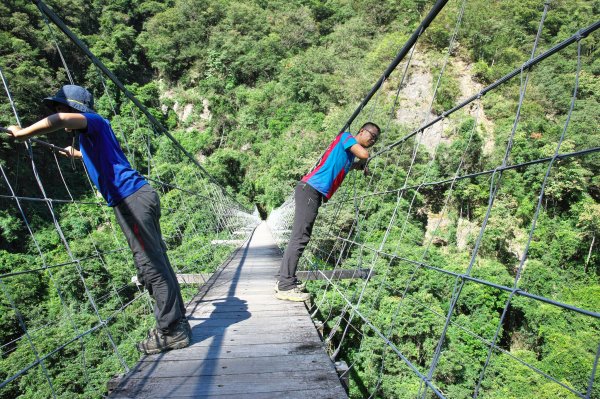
point(245, 342)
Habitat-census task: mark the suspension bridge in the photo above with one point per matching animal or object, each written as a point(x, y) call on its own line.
point(368, 291)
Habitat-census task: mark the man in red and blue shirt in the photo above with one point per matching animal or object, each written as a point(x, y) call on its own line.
point(314, 188)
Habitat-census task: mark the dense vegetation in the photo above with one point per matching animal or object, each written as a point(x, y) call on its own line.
point(255, 90)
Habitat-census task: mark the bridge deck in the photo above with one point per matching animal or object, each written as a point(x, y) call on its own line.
point(245, 343)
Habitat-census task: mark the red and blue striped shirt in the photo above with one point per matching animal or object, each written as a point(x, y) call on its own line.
point(333, 166)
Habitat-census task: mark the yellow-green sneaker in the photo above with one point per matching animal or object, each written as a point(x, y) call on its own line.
point(301, 285)
point(294, 295)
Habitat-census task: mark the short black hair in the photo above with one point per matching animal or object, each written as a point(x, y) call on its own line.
point(371, 125)
point(52, 105)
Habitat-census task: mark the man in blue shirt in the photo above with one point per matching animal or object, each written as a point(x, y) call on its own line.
point(135, 203)
point(316, 187)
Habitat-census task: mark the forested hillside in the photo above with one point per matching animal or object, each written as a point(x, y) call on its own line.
point(256, 90)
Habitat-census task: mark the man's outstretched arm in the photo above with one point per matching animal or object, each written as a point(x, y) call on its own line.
point(68, 121)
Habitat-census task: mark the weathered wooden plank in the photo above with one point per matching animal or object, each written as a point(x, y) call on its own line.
point(198, 352)
point(303, 394)
point(264, 316)
point(245, 291)
point(324, 393)
point(249, 323)
point(267, 297)
point(322, 381)
point(336, 274)
point(250, 307)
point(258, 312)
point(228, 366)
point(247, 319)
point(236, 338)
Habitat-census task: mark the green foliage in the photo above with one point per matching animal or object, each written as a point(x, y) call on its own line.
point(226, 166)
point(268, 83)
point(10, 228)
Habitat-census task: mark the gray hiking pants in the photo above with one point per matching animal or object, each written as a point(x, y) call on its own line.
point(307, 200)
point(139, 215)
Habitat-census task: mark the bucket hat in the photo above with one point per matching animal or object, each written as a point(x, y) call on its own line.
point(74, 96)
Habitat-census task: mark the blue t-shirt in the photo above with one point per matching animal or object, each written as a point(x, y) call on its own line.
point(333, 166)
point(106, 164)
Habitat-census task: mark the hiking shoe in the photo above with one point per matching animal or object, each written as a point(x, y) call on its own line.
point(186, 326)
point(184, 322)
point(294, 295)
point(157, 341)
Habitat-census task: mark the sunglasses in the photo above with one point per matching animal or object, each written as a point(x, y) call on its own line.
point(374, 136)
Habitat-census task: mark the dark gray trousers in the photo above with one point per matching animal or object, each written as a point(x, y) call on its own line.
point(139, 215)
point(307, 200)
